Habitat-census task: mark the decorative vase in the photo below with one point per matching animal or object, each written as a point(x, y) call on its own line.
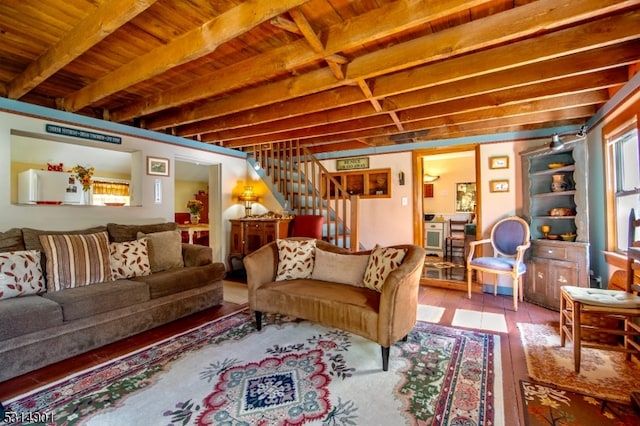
point(84, 197)
point(558, 184)
point(194, 219)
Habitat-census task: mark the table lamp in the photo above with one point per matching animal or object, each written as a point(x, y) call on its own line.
point(248, 197)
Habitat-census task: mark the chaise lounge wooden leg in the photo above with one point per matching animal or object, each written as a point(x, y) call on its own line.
point(385, 358)
point(258, 320)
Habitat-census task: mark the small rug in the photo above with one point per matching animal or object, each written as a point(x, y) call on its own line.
point(292, 372)
point(546, 405)
point(603, 374)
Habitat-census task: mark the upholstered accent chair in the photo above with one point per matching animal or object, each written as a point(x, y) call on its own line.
point(309, 226)
point(509, 240)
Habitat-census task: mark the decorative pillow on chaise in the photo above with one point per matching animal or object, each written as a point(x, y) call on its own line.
point(76, 260)
point(295, 259)
point(340, 268)
point(129, 259)
point(382, 261)
point(20, 274)
point(165, 250)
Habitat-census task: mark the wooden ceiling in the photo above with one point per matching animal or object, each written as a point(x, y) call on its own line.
point(333, 74)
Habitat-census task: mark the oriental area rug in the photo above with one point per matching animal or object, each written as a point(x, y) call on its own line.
point(603, 374)
point(290, 373)
point(546, 405)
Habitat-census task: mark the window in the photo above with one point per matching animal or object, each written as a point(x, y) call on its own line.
point(623, 152)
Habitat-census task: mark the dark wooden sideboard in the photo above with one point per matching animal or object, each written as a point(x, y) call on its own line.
point(248, 235)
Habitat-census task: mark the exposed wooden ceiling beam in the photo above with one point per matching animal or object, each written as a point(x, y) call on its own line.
point(562, 68)
point(614, 29)
point(379, 23)
point(187, 47)
point(563, 101)
point(110, 16)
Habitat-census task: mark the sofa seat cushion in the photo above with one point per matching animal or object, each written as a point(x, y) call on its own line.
point(176, 280)
point(81, 302)
point(24, 315)
point(346, 307)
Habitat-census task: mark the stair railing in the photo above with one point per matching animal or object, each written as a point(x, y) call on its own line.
point(309, 188)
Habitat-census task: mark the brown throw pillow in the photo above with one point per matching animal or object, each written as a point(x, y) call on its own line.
point(165, 250)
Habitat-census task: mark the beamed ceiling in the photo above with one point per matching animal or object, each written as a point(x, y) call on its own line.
point(333, 74)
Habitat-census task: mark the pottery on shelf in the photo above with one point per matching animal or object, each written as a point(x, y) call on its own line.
point(558, 184)
point(194, 219)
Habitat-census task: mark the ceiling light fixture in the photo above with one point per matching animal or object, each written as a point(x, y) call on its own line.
point(429, 178)
point(557, 143)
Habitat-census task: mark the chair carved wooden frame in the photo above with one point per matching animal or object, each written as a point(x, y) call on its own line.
point(509, 239)
point(586, 312)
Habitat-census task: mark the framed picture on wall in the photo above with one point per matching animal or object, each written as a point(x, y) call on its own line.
point(428, 190)
point(465, 197)
point(499, 162)
point(157, 166)
point(499, 185)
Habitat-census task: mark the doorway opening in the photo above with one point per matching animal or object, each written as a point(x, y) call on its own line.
point(447, 200)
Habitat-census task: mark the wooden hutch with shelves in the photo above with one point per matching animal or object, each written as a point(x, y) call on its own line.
point(555, 204)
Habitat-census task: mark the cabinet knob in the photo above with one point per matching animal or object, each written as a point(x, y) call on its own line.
point(562, 279)
point(540, 275)
point(549, 251)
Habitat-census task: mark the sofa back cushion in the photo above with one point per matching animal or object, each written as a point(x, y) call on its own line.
point(76, 260)
point(165, 250)
point(11, 240)
point(340, 268)
point(20, 274)
point(120, 233)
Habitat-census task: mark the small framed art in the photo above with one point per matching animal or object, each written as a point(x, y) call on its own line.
point(499, 162)
point(499, 185)
point(157, 166)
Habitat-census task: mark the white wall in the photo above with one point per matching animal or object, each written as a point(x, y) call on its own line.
point(386, 221)
point(77, 217)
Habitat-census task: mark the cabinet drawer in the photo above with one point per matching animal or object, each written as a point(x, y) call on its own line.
point(255, 226)
point(434, 225)
point(550, 252)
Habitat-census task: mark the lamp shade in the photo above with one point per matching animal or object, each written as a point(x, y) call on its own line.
point(248, 194)
point(556, 143)
point(429, 178)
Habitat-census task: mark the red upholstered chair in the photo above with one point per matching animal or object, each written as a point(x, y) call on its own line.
point(180, 219)
point(307, 226)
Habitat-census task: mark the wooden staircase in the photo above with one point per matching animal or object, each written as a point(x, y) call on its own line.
point(305, 186)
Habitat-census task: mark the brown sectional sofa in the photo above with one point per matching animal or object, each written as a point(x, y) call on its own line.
point(385, 316)
point(38, 330)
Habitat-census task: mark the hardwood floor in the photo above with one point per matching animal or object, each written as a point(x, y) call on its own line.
point(513, 360)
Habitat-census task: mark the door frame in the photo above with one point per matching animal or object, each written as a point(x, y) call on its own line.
point(418, 211)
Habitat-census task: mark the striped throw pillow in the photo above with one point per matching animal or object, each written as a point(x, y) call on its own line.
point(76, 260)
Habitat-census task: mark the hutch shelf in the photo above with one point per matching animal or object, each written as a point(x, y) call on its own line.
point(555, 205)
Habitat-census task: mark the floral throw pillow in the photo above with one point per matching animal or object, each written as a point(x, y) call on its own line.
point(382, 261)
point(20, 274)
point(295, 259)
point(129, 259)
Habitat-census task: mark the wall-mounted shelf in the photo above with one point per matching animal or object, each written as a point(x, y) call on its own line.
point(366, 183)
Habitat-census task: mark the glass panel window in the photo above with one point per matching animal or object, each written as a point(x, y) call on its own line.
point(625, 153)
